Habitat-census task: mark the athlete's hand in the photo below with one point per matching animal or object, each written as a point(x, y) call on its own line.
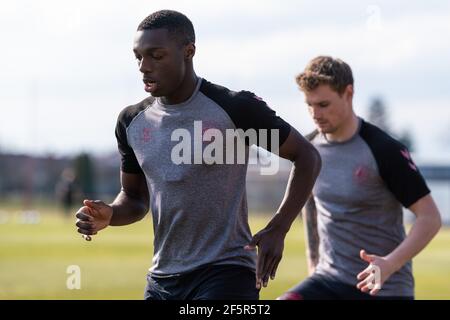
point(93, 217)
point(270, 243)
point(373, 277)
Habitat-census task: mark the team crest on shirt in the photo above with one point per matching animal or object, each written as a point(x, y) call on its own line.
point(146, 135)
point(361, 174)
point(207, 124)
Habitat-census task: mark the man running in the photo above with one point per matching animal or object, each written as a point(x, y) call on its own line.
point(354, 219)
point(198, 205)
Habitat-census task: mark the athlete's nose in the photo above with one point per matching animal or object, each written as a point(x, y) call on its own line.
point(315, 113)
point(145, 66)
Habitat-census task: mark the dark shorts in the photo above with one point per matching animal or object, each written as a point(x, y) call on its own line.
point(321, 287)
point(213, 282)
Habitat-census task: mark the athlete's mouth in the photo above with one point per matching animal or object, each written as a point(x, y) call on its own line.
point(148, 80)
point(150, 84)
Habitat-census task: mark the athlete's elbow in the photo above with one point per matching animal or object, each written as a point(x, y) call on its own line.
point(308, 163)
point(437, 222)
point(317, 162)
point(144, 210)
point(434, 222)
point(314, 160)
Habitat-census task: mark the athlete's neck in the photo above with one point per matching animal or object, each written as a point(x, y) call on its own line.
point(345, 131)
point(184, 92)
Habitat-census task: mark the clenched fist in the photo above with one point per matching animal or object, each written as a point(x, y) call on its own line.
point(94, 216)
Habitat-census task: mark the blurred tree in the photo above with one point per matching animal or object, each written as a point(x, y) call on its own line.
point(67, 191)
point(84, 172)
point(407, 139)
point(380, 117)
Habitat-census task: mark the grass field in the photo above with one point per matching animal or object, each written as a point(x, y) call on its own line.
point(34, 259)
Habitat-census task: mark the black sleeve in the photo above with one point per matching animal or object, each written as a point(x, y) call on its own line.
point(258, 115)
point(396, 167)
point(129, 163)
point(247, 111)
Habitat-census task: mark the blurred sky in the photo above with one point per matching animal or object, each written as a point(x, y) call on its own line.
point(67, 67)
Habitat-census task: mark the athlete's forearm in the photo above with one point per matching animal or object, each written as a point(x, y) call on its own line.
point(421, 233)
point(309, 214)
point(127, 209)
point(304, 172)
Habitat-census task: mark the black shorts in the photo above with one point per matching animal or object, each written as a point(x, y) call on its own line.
point(321, 287)
point(212, 282)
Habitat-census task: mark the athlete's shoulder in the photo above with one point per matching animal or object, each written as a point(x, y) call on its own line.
point(395, 165)
point(128, 113)
point(246, 110)
point(221, 94)
point(378, 139)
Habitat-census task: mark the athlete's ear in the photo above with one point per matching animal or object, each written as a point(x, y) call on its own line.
point(189, 51)
point(349, 92)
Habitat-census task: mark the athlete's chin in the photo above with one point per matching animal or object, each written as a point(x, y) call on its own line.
point(325, 129)
point(155, 93)
point(154, 89)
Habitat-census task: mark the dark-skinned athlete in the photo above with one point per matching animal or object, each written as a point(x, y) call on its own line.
point(203, 247)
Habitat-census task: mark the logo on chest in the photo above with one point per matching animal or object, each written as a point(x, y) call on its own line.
point(207, 125)
point(146, 135)
point(361, 174)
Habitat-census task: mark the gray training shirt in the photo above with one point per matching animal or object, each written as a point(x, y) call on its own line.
point(359, 196)
point(199, 210)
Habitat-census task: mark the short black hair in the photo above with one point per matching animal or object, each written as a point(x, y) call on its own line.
point(175, 22)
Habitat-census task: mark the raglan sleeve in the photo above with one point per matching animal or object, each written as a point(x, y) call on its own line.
point(256, 114)
point(129, 163)
point(401, 175)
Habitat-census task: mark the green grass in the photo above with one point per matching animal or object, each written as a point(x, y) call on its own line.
point(34, 260)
